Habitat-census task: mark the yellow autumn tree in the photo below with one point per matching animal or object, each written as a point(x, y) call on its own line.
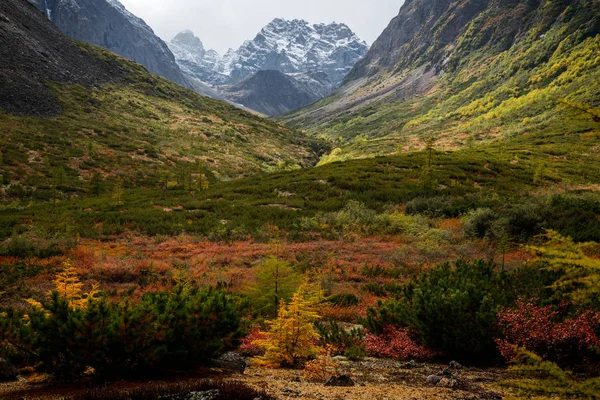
point(70, 288)
point(292, 336)
point(580, 273)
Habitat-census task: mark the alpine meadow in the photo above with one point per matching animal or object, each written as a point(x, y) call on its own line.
point(307, 216)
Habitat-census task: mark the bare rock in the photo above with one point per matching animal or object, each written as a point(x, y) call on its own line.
point(412, 364)
point(448, 383)
point(231, 362)
point(454, 365)
point(204, 395)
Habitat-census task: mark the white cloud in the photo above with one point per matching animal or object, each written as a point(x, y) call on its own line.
point(227, 23)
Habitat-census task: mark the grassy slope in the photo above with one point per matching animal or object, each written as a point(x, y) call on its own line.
point(139, 129)
point(485, 95)
point(503, 170)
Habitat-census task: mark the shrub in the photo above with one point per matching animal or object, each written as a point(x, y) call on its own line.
point(249, 344)
point(321, 368)
point(341, 340)
point(479, 223)
point(165, 330)
point(546, 332)
point(354, 217)
point(396, 343)
point(536, 378)
point(579, 273)
point(453, 309)
point(344, 300)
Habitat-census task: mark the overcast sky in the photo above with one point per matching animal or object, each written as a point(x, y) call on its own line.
point(222, 24)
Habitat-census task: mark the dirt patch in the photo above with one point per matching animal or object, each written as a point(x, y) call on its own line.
point(375, 379)
point(378, 379)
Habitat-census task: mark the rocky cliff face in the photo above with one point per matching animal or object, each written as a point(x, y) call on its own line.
point(194, 60)
point(108, 24)
point(422, 31)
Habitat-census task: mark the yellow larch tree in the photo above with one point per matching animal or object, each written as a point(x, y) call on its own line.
point(292, 337)
point(70, 288)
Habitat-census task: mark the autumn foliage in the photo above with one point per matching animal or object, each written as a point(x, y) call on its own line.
point(70, 288)
point(292, 336)
point(323, 367)
point(249, 344)
point(547, 333)
point(396, 343)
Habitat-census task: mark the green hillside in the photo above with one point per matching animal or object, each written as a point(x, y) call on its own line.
point(506, 174)
point(73, 116)
point(138, 130)
point(503, 77)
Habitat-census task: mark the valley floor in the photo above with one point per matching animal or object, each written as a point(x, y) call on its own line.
point(375, 379)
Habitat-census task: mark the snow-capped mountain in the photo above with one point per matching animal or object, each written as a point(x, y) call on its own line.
point(314, 58)
point(296, 46)
point(108, 24)
point(194, 60)
point(285, 46)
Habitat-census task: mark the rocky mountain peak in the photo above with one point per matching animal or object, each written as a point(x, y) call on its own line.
point(189, 39)
point(295, 46)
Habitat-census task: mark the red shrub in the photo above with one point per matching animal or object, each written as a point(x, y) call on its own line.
point(248, 346)
point(543, 331)
point(396, 343)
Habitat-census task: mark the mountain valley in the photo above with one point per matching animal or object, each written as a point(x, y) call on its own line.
point(419, 218)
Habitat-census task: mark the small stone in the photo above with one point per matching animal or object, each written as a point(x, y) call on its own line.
point(341, 380)
point(412, 364)
point(231, 361)
point(434, 379)
point(455, 365)
point(447, 383)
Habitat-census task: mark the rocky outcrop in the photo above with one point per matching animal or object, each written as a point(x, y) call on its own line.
point(231, 362)
point(33, 52)
point(108, 24)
